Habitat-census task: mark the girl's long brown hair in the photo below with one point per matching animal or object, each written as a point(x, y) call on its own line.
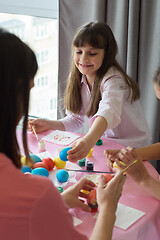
point(18, 66)
point(97, 35)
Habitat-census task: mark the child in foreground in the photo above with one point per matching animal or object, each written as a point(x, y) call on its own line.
point(98, 88)
point(30, 206)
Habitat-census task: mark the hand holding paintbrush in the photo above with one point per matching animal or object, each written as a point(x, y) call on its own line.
point(34, 131)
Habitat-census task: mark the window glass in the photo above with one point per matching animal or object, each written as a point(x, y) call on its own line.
point(41, 34)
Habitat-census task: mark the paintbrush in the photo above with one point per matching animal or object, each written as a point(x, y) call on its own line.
point(129, 166)
point(34, 131)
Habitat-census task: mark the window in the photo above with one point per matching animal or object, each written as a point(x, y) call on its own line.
point(41, 34)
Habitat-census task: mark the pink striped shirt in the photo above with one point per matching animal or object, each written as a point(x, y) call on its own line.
point(126, 121)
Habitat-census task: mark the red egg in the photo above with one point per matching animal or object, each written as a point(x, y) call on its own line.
point(49, 162)
point(40, 164)
point(108, 177)
point(92, 200)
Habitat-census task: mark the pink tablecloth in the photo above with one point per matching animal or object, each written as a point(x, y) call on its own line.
point(147, 227)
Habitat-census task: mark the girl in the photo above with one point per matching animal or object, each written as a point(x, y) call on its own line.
point(99, 89)
point(30, 206)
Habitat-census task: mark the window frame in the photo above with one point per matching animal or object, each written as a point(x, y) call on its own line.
point(47, 8)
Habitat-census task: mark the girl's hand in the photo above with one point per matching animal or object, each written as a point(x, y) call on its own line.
point(72, 194)
point(80, 149)
point(39, 124)
point(111, 155)
point(108, 197)
point(138, 171)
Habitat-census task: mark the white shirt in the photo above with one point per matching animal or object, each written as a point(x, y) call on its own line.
point(126, 121)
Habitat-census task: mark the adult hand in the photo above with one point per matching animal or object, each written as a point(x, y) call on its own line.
point(108, 197)
point(71, 195)
point(80, 149)
point(111, 155)
point(138, 172)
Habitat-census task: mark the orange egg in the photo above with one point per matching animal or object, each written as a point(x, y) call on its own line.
point(40, 164)
point(92, 200)
point(108, 177)
point(49, 162)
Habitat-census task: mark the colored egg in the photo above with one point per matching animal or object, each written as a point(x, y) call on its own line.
point(62, 175)
point(108, 177)
point(49, 162)
point(40, 171)
point(35, 158)
point(23, 160)
point(63, 153)
point(25, 169)
point(59, 163)
point(84, 191)
point(40, 164)
point(92, 200)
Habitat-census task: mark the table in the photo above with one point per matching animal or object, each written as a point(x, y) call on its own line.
point(147, 227)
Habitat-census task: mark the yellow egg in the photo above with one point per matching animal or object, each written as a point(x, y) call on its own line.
point(59, 163)
point(85, 191)
point(23, 160)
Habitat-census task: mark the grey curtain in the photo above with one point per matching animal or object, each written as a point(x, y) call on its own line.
point(136, 26)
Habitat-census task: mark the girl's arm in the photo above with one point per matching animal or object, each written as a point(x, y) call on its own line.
point(152, 186)
point(42, 125)
point(99, 126)
point(82, 146)
point(138, 171)
point(151, 152)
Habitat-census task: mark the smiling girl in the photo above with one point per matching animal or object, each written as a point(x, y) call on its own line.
point(99, 89)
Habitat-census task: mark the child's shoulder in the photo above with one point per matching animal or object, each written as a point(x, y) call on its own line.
point(113, 74)
point(113, 71)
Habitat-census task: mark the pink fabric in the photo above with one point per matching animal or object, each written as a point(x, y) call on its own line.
point(126, 122)
point(31, 207)
point(147, 227)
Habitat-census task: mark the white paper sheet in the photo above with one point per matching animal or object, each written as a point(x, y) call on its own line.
point(61, 137)
point(126, 216)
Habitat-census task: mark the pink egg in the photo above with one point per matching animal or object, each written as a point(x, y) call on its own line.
point(40, 164)
point(49, 162)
